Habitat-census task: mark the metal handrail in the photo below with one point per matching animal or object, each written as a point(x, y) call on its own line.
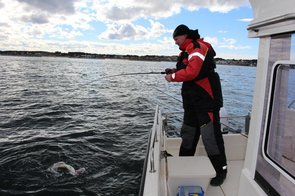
point(152, 151)
point(153, 139)
point(234, 116)
point(148, 151)
point(142, 182)
point(155, 135)
point(229, 117)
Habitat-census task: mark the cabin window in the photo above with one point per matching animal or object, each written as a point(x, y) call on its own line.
point(275, 168)
point(279, 146)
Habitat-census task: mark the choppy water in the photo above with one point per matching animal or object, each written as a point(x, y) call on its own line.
point(61, 109)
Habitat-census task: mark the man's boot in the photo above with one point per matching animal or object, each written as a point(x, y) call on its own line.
point(219, 179)
point(219, 164)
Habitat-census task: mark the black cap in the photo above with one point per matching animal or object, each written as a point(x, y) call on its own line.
point(181, 30)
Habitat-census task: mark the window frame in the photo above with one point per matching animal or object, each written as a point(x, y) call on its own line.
point(270, 107)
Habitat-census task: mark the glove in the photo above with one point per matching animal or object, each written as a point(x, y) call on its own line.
point(170, 71)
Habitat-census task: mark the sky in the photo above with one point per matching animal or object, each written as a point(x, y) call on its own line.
point(123, 27)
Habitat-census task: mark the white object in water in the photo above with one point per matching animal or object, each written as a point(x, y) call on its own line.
point(61, 167)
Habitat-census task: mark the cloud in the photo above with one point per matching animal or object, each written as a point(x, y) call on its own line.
point(121, 32)
point(231, 55)
point(4, 24)
point(44, 19)
point(222, 31)
point(52, 6)
point(64, 34)
point(60, 24)
point(212, 40)
point(117, 15)
point(222, 6)
point(157, 29)
point(246, 19)
point(230, 43)
point(144, 48)
point(35, 18)
point(227, 43)
point(131, 10)
point(120, 15)
point(129, 31)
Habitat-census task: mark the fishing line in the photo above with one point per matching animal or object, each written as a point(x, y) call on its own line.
point(169, 95)
point(127, 74)
point(139, 73)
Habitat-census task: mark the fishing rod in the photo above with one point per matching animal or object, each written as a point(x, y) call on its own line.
point(135, 73)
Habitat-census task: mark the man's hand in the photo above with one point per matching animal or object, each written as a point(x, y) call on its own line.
point(168, 77)
point(170, 71)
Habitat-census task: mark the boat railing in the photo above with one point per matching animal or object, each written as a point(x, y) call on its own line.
point(154, 139)
point(235, 123)
point(150, 158)
point(229, 123)
point(152, 146)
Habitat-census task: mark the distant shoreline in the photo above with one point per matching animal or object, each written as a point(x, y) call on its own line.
point(241, 62)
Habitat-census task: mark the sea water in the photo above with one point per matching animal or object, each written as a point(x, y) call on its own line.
point(75, 111)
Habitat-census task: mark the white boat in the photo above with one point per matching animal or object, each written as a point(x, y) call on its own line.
point(261, 162)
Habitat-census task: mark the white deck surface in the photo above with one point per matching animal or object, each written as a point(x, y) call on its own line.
point(235, 146)
point(231, 184)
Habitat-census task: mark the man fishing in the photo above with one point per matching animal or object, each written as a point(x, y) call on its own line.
point(202, 98)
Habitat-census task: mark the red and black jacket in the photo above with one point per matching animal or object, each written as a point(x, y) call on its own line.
point(195, 68)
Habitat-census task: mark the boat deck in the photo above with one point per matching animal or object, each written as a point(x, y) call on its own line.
point(235, 146)
point(231, 184)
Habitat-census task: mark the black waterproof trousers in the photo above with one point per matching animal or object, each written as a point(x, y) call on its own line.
point(197, 122)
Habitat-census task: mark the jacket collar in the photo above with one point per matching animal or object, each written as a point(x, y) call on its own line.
point(185, 44)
